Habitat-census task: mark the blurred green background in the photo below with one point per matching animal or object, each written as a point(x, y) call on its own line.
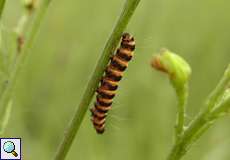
point(140, 126)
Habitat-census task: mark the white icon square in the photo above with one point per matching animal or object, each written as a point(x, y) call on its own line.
point(10, 149)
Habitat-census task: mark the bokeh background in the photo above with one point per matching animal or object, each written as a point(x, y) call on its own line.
point(140, 126)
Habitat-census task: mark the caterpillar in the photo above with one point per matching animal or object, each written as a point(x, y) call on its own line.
point(109, 82)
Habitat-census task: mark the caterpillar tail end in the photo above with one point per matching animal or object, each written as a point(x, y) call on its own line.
point(100, 131)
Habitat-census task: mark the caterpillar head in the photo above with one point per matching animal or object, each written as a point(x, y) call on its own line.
point(127, 37)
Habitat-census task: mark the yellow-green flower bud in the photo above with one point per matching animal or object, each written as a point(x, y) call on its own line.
point(176, 67)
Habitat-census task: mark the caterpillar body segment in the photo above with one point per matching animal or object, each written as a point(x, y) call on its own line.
point(109, 83)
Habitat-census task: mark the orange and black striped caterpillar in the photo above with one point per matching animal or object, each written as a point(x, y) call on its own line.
point(109, 83)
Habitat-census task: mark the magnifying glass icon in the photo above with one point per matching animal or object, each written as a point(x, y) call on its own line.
point(9, 147)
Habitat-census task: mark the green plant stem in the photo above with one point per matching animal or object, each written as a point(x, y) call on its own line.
point(223, 108)
point(216, 94)
point(23, 23)
point(180, 148)
point(182, 95)
point(2, 5)
point(72, 129)
point(13, 75)
point(6, 118)
point(204, 120)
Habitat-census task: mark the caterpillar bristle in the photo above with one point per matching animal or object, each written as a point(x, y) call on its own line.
point(109, 82)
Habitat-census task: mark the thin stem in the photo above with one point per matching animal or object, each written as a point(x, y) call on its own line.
point(180, 148)
point(72, 129)
point(222, 108)
point(196, 128)
point(2, 5)
point(6, 118)
point(13, 76)
point(182, 95)
point(29, 9)
point(204, 119)
point(216, 94)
